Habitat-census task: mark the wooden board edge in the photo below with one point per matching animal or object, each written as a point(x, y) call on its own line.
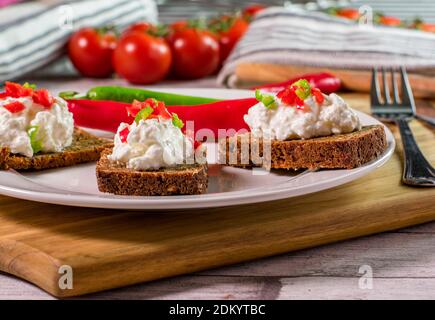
point(256, 251)
point(16, 259)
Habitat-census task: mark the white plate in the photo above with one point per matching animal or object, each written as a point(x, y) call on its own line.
point(76, 186)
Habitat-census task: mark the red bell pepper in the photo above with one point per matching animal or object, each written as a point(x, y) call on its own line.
point(325, 82)
point(107, 115)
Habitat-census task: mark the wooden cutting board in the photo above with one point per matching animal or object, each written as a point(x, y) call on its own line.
point(108, 249)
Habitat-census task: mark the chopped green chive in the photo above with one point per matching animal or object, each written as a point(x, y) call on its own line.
point(34, 141)
point(258, 95)
point(266, 99)
point(29, 85)
point(143, 114)
point(303, 90)
point(70, 95)
point(177, 121)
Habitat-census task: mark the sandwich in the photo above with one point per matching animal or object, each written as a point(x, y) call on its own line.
point(152, 156)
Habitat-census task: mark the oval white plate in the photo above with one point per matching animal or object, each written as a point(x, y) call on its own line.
point(77, 186)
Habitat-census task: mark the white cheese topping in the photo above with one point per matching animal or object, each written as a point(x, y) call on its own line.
point(152, 144)
point(285, 122)
point(55, 126)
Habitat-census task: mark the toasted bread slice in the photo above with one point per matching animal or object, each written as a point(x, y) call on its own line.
point(84, 148)
point(342, 151)
point(183, 179)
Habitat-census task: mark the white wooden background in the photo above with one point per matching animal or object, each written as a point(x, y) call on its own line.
point(403, 263)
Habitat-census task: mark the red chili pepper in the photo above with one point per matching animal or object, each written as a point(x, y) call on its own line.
point(326, 82)
point(107, 115)
point(99, 114)
point(14, 107)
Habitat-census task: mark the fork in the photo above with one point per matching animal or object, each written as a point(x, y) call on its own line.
point(417, 170)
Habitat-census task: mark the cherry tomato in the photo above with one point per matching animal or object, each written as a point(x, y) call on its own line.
point(252, 10)
point(175, 27)
point(428, 27)
point(142, 26)
point(195, 53)
point(178, 25)
point(349, 13)
point(390, 21)
point(141, 58)
point(91, 50)
point(229, 38)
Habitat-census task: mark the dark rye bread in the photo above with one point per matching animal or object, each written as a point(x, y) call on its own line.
point(342, 151)
point(84, 148)
point(117, 179)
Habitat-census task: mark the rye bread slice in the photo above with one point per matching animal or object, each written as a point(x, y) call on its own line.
point(84, 148)
point(342, 151)
point(183, 179)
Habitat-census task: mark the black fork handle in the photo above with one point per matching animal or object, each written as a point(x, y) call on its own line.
point(417, 170)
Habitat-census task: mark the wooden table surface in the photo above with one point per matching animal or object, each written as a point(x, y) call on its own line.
point(402, 264)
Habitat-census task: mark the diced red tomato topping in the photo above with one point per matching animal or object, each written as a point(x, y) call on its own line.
point(158, 106)
point(43, 97)
point(123, 134)
point(197, 144)
point(15, 90)
point(134, 108)
point(14, 107)
point(162, 111)
point(318, 95)
point(289, 97)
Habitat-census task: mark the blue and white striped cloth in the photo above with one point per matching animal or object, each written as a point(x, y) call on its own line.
point(289, 36)
point(34, 34)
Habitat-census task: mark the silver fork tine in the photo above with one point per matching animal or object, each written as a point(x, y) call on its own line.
point(396, 97)
point(407, 96)
point(387, 98)
point(374, 89)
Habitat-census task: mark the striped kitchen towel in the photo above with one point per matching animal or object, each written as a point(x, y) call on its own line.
point(34, 34)
point(296, 37)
